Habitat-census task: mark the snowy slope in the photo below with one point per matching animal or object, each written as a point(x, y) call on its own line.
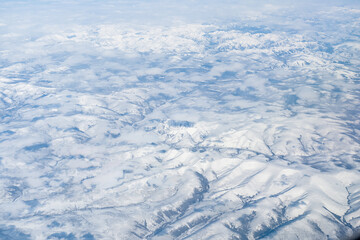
point(223, 127)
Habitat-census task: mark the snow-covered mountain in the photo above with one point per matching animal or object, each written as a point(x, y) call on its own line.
point(161, 120)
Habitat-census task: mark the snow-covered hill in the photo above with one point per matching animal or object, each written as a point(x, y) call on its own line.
point(200, 127)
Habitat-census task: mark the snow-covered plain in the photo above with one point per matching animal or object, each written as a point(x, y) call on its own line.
point(161, 120)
